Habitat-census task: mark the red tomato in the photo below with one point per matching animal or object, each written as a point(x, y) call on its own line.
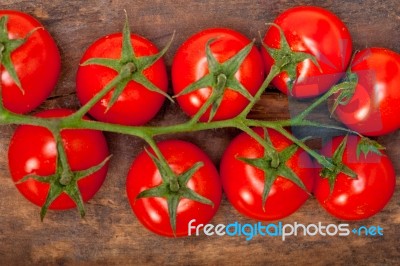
point(190, 65)
point(153, 212)
point(318, 32)
point(244, 183)
point(356, 199)
point(374, 108)
point(37, 64)
point(136, 105)
point(33, 151)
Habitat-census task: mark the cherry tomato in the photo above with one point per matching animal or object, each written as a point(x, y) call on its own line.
point(153, 212)
point(315, 31)
point(374, 108)
point(33, 151)
point(36, 62)
point(244, 183)
point(137, 104)
point(361, 198)
point(190, 65)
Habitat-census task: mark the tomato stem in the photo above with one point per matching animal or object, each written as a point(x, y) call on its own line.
point(126, 71)
point(147, 133)
point(300, 117)
point(215, 93)
point(271, 75)
point(172, 178)
point(268, 147)
point(66, 174)
point(320, 159)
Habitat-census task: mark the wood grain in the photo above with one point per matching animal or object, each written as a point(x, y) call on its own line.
point(110, 234)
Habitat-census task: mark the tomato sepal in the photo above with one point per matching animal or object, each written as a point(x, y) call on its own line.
point(286, 59)
point(173, 192)
point(344, 90)
point(64, 180)
point(273, 164)
point(367, 145)
point(339, 167)
point(221, 77)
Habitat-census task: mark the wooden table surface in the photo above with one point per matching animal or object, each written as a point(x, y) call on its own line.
point(110, 233)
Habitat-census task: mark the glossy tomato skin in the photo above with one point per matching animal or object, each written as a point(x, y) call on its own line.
point(361, 198)
point(243, 184)
point(153, 212)
point(318, 32)
point(374, 108)
point(136, 105)
point(190, 64)
point(33, 151)
point(37, 63)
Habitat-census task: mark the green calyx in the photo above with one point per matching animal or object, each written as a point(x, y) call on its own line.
point(367, 145)
point(287, 60)
point(338, 166)
point(173, 187)
point(273, 164)
point(64, 180)
point(129, 68)
point(221, 77)
point(7, 46)
point(345, 90)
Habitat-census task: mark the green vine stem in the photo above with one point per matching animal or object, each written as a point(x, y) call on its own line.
point(66, 174)
point(335, 89)
point(172, 180)
point(126, 71)
point(147, 133)
point(275, 70)
point(221, 83)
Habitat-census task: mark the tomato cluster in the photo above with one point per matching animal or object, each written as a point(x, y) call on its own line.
point(216, 74)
